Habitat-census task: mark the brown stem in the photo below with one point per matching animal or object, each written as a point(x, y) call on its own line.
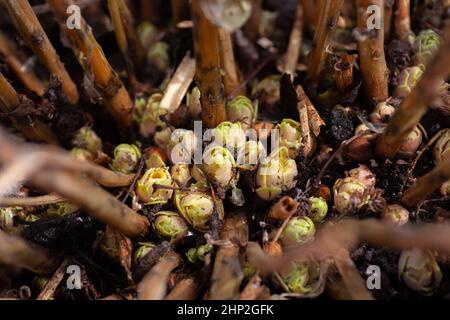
point(388, 19)
point(151, 11)
point(31, 202)
point(426, 185)
point(187, 289)
point(309, 12)
point(295, 42)
point(34, 35)
point(402, 19)
point(228, 62)
point(371, 54)
point(49, 290)
point(34, 130)
point(209, 77)
point(343, 73)
point(13, 58)
point(328, 16)
point(252, 26)
point(154, 284)
point(16, 252)
point(417, 102)
point(92, 59)
point(283, 209)
point(227, 274)
point(180, 10)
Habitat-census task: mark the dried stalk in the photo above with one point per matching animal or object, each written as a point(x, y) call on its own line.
point(154, 284)
point(371, 54)
point(34, 130)
point(178, 85)
point(92, 59)
point(31, 202)
point(252, 27)
point(34, 35)
point(328, 16)
point(16, 252)
point(309, 12)
point(416, 104)
point(12, 57)
point(283, 209)
point(49, 290)
point(209, 77)
point(426, 185)
point(228, 62)
point(343, 73)
point(227, 274)
point(402, 19)
point(295, 42)
point(150, 11)
point(179, 10)
point(388, 18)
point(186, 289)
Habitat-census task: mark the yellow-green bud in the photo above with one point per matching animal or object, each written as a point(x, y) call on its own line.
point(219, 165)
point(169, 224)
point(196, 207)
point(277, 173)
point(143, 249)
point(299, 230)
point(151, 116)
point(302, 278)
point(181, 146)
point(181, 174)
point(126, 158)
point(395, 215)
point(420, 271)
point(250, 155)
point(318, 209)
point(195, 255)
point(146, 32)
point(163, 137)
point(61, 209)
point(382, 113)
point(150, 188)
point(411, 144)
point(426, 45)
point(82, 154)
point(442, 148)
point(154, 158)
point(407, 80)
point(229, 135)
point(87, 139)
point(349, 194)
point(240, 109)
point(290, 136)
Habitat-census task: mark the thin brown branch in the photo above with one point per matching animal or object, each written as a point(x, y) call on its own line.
point(402, 19)
point(295, 43)
point(49, 290)
point(328, 16)
point(91, 57)
point(388, 19)
point(16, 252)
point(31, 201)
point(309, 12)
point(252, 27)
point(416, 104)
point(371, 54)
point(209, 77)
point(34, 35)
point(13, 58)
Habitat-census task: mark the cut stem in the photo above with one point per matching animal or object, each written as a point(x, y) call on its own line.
point(295, 42)
point(416, 104)
point(209, 77)
point(13, 58)
point(34, 130)
point(34, 35)
point(92, 59)
point(328, 16)
point(426, 185)
point(371, 54)
point(402, 19)
point(343, 73)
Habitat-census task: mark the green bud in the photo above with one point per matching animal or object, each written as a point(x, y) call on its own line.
point(219, 165)
point(299, 230)
point(442, 148)
point(126, 158)
point(198, 254)
point(426, 45)
point(290, 136)
point(250, 155)
point(407, 80)
point(146, 32)
point(277, 173)
point(196, 207)
point(169, 224)
point(249, 270)
point(149, 119)
point(241, 110)
point(163, 137)
point(302, 278)
point(318, 209)
point(396, 215)
point(61, 209)
point(87, 139)
point(420, 271)
point(158, 55)
point(143, 249)
point(150, 188)
point(349, 194)
point(82, 154)
point(230, 135)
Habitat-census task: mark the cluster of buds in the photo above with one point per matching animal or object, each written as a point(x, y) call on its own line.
point(277, 173)
point(195, 255)
point(126, 158)
point(86, 139)
point(411, 143)
point(426, 45)
point(382, 113)
point(148, 115)
point(219, 165)
point(420, 271)
point(290, 136)
point(353, 192)
point(302, 278)
point(196, 207)
point(407, 80)
point(299, 230)
point(171, 225)
point(318, 209)
point(241, 110)
point(143, 249)
point(395, 215)
point(155, 186)
point(181, 146)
